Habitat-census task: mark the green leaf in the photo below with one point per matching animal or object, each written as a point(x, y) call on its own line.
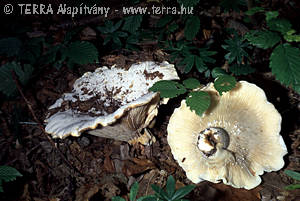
point(254, 10)
point(285, 62)
point(224, 83)
point(290, 37)
point(168, 88)
point(7, 84)
point(160, 192)
point(271, 15)
point(189, 63)
point(293, 174)
point(236, 48)
point(10, 46)
point(132, 23)
point(217, 72)
point(280, 25)
point(133, 191)
point(82, 52)
point(262, 39)
point(200, 65)
point(147, 198)
point(198, 101)
point(7, 174)
point(192, 27)
point(180, 193)
point(117, 198)
point(188, 3)
point(292, 187)
point(191, 83)
point(163, 21)
point(170, 186)
point(241, 69)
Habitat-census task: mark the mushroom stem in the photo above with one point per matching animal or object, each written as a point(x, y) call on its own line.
point(212, 138)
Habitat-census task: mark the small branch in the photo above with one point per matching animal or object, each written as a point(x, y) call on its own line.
point(40, 125)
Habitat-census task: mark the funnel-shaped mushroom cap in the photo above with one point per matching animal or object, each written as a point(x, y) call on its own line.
point(116, 100)
point(235, 141)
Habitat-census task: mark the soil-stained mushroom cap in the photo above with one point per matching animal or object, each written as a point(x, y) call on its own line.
point(115, 100)
point(234, 141)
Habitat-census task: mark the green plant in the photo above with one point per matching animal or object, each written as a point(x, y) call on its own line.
point(8, 174)
point(190, 56)
point(7, 84)
point(294, 175)
point(112, 34)
point(198, 101)
point(170, 194)
point(285, 58)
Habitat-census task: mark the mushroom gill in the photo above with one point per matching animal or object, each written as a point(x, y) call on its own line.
point(234, 141)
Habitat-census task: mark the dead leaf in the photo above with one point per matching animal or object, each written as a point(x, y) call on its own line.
point(137, 166)
point(228, 193)
point(85, 192)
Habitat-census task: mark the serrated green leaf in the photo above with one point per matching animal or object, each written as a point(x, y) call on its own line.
point(191, 83)
point(188, 3)
point(163, 21)
point(254, 10)
point(236, 48)
point(82, 52)
point(117, 198)
point(217, 72)
point(241, 69)
point(189, 63)
point(293, 174)
point(132, 23)
point(224, 83)
point(170, 186)
point(292, 187)
point(285, 62)
point(271, 15)
point(200, 65)
point(198, 101)
point(192, 27)
point(168, 88)
point(7, 84)
point(10, 46)
point(133, 191)
point(180, 193)
point(8, 173)
point(262, 39)
point(280, 25)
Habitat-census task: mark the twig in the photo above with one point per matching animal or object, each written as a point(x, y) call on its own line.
point(40, 125)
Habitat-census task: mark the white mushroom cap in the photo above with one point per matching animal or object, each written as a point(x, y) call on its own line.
point(106, 87)
point(252, 143)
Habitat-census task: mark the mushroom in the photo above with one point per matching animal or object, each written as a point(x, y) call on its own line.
point(111, 102)
point(234, 141)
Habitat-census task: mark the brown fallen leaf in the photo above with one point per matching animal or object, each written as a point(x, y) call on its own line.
point(85, 192)
point(228, 193)
point(137, 166)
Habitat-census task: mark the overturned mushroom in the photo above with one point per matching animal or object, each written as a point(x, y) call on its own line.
point(111, 102)
point(234, 141)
